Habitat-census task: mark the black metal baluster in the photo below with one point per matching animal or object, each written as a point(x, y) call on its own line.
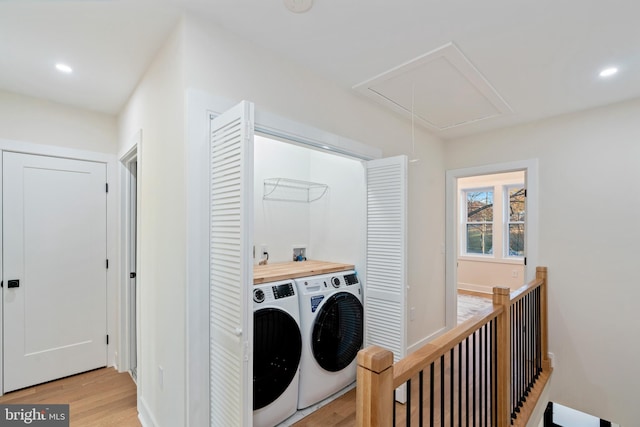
point(442, 391)
point(452, 372)
point(474, 354)
point(408, 404)
point(460, 384)
point(466, 345)
point(421, 399)
point(480, 376)
point(431, 393)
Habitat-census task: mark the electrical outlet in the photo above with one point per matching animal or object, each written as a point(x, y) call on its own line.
point(160, 377)
point(412, 313)
point(552, 360)
point(264, 250)
point(514, 274)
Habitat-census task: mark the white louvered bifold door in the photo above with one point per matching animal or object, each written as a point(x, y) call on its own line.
point(231, 269)
point(385, 294)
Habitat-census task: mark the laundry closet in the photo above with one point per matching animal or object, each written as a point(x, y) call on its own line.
point(284, 336)
point(309, 238)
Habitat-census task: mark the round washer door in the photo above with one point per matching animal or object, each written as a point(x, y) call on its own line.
point(337, 332)
point(277, 346)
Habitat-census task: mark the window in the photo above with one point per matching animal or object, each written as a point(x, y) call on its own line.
point(479, 221)
point(515, 217)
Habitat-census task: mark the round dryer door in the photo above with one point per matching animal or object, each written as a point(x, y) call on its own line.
point(337, 332)
point(277, 346)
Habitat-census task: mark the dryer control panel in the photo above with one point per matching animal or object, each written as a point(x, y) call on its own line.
point(283, 291)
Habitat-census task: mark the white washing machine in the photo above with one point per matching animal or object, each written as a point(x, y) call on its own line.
point(277, 348)
point(331, 319)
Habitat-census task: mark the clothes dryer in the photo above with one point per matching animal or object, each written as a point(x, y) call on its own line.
point(331, 319)
point(277, 348)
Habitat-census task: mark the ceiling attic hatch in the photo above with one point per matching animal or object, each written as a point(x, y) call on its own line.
point(442, 89)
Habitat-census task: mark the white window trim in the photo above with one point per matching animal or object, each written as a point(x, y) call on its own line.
point(506, 222)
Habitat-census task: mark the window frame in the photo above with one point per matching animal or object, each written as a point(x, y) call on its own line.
point(506, 189)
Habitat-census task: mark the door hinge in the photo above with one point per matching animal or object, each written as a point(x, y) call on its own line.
point(525, 260)
point(2, 284)
point(107, 263)
point(132, 275)
point(106, 187)
point(525, 192)
point(107, 339)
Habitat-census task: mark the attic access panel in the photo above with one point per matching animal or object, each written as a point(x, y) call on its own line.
point(441, 89)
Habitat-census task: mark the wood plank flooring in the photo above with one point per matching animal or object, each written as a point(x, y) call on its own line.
point(98, 398)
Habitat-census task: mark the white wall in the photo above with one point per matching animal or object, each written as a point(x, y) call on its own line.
point(279, 224)
point(338, 230)
point(220, 64)
point(331, 228)
point(482, 273)
point(38, 121)
point(589, 163)
point(157, 107)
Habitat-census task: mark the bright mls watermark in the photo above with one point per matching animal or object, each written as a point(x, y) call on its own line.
point(34, 415)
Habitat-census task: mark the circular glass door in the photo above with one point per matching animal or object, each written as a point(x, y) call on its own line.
point(277, 346)
point(337, 332)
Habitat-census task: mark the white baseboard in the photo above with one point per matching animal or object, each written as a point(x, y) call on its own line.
point(413, 347)
point(144, 415)
point(475, 288)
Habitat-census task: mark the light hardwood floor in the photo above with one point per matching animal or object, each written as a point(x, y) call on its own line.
point(98, 398)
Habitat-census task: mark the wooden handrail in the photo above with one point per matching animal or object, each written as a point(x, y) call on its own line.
point(427, 354)
point(378, 376)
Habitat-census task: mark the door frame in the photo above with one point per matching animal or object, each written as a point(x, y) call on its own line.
point(112, 225)
point(201, 107)
point(530, 168)
point(125, 300)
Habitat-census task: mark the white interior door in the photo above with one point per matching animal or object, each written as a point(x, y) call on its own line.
point(386, 285)
point(231, 267)
point(54, 268)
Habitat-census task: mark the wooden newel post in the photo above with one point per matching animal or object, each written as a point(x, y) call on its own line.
point(374, 392)
point(541, 273)
point(502, 296)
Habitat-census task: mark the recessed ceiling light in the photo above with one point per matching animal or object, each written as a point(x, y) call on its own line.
point(608, 72)
point(298, 6)
point(64, 68)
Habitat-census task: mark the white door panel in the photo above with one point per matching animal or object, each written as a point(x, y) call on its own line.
point(231, 267)
point(54, 221)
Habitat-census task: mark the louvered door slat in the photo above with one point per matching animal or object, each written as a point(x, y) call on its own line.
point(385, 296)
point(231, 230)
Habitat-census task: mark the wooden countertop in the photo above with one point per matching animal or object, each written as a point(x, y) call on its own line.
point(292, 270)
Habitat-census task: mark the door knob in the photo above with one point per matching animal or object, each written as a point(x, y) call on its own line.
point(13, 284)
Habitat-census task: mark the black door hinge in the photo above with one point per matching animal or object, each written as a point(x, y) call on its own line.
point(525, 260)
point(107, 263)
point(2, 284)
point(525, 192)
point(132, 275)
point(107, 339)
point(106, 187)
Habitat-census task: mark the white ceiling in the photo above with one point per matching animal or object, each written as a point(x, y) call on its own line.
point(542, 58)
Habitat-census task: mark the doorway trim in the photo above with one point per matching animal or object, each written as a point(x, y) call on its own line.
point(125, 300)
point(530, 168)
